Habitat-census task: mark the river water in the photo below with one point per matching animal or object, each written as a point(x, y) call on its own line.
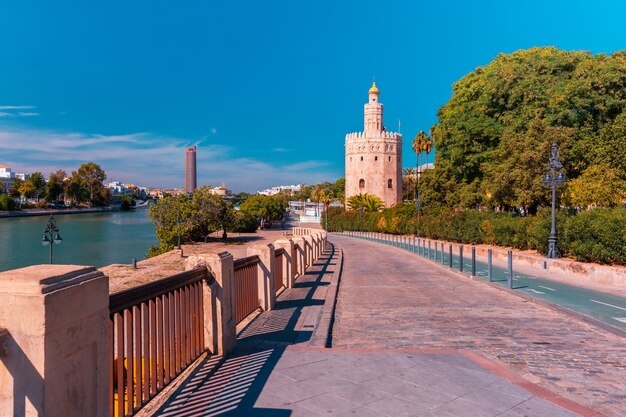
point(88, 239)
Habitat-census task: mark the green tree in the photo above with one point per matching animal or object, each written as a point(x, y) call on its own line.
point(265, 207)
point(91, 177)
point(127, 201)
point(55, 188)
point(39, 183)
point(369, 202)
point(494, 133)
point(598, 186)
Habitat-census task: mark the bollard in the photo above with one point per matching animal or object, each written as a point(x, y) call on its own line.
point(436, 255)
point(450, 255)
point(413, 248)
point(133, 262)
point(423, 247)
point(206, 239)
point(510, 256)
point(443, 252)
point(489, 269)
point(461, 258)
point(429, 251)
point(473, 261)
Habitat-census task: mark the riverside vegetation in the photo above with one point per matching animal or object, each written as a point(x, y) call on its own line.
point(492, 143)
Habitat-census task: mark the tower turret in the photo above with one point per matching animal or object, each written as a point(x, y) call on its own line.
point(373, 113)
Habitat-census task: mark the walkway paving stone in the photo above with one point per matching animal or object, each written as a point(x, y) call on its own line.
point(275, 373)
point(392, 299)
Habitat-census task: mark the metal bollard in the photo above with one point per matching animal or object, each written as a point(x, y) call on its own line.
point(510, 269)
point(133, 262)
point(436, 255)
point(461, 258)
point(450, 255)
point(473, 261)
point(423, 247)
point(443, 252)
point(429, 251)
point(489, 264)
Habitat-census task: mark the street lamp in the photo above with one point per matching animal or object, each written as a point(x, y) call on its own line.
point(179, 221)
point(51, 235)
point(554, 178)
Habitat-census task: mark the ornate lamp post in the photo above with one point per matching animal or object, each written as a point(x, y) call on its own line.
point(554, 178)
point(51, 235)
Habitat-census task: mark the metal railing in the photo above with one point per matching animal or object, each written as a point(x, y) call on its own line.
point(246, 287)
point(157, 331)
point(279, 277)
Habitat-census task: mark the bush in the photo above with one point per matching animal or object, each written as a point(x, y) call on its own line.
point(159, 249)
point(598, 235)
point(6, 203)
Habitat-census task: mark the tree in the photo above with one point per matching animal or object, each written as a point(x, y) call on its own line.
point(265, 207)
point(126, 202)
point(420, 143)
point(91, 177)
point(409, 176)
point(55, 188)
point(39, 183)
point(494, 133)
point(598, 186)
point(26, 189)
point(369, 202)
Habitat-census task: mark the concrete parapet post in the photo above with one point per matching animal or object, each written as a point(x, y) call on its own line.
point(267, 292)
point(308, 251)
point(315, 246)
point(57, 358)
point(300, 255)
point(288, 260)
point(220, 323)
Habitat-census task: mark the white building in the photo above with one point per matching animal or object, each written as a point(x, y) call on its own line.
point(22, 176)
point(5, 172)
point(279, 189)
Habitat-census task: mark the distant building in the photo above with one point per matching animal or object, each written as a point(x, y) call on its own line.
point(190, 170)
point(279, 189)
point(5, 172)
point(374, 156)
point(222, 191)
point(22, 176)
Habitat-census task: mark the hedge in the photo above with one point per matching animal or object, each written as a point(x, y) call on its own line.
point(597, 235)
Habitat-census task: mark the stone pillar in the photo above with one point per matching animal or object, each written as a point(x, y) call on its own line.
point(56, 359)
point(267, 292)
point(308, 250)
point(288, 260)
point(300, 254)
point(220, 322)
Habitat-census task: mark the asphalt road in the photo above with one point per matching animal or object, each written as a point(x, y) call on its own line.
point(608, 308)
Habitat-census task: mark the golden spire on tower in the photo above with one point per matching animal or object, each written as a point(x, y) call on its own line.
point(374, 89)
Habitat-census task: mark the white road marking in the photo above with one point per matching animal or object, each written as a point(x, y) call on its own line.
point(547, 288)
point(535, 291)
point(622, 319)
point(610, 305)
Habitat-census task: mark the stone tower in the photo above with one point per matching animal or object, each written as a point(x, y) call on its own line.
point(190, 170)
point(374, 156)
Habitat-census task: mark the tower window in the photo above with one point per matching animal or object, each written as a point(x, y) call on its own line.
point(350, 159)
point(390, 183)
point(361, 158)
point(361, 183)
point(375, 158)
point(390, 158)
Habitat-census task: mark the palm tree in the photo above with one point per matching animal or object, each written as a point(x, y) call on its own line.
point(419, 146)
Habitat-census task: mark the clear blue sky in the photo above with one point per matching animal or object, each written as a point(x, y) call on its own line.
point(266, 89)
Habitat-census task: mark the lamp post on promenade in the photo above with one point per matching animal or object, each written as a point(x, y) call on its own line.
point(51, 235)
point(554, 178)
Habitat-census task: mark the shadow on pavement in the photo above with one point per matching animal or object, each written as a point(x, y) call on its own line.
point(231, 386)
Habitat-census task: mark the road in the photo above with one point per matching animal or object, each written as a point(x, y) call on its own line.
point(607, 308)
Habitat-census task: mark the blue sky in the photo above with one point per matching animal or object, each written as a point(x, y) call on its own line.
point(267, 90)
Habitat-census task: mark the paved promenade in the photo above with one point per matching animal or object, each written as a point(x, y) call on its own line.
point(392, 299)
point(375, 371)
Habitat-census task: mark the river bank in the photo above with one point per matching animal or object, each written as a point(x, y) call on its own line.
point(47, 212)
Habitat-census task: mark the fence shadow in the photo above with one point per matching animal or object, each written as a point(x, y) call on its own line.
point(232, 386)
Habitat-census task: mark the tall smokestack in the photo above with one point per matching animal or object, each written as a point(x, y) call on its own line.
point(190, 170)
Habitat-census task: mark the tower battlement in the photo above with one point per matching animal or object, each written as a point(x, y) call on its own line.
point(373, 135)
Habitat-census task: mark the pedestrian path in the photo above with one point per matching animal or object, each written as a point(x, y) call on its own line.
point(275, 372)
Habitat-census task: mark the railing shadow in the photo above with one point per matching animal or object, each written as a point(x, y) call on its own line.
point(232, 386)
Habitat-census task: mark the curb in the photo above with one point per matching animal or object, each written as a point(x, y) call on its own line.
point(322, 337)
